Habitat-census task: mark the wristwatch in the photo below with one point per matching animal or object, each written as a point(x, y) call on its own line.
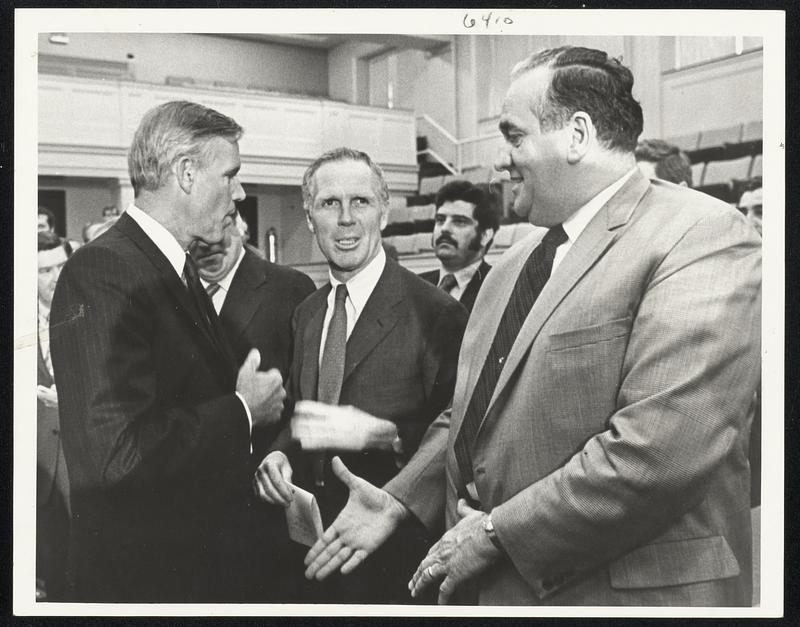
point(488, 528)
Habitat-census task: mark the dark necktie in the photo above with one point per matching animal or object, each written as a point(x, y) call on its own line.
point(205, 307)
point(529, 285)
point(331, 369)
point(447, 283)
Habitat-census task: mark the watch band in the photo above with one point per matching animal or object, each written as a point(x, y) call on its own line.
point(488, 528)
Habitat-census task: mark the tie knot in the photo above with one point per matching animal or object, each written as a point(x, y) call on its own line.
point(555, 237)
point(341, 293)
point(448, 282)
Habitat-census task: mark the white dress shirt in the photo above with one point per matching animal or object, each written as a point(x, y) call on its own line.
point(161, 237)
point(173, 251)
point(44, 335)
point(359, 289)
point(577, 222)
point(463, 277)
point(218, 299)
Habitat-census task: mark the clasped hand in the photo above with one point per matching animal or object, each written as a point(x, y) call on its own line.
point(460, 554)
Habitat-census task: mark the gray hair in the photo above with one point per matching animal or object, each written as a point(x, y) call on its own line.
point(343, 154)
point(171, 131)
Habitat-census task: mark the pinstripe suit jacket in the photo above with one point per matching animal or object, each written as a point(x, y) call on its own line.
point(155, 440)
point(613, 452)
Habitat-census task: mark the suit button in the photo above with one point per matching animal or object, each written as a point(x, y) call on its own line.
point(501, 360)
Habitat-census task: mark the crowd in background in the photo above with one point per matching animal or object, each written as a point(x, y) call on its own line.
point(462, 235)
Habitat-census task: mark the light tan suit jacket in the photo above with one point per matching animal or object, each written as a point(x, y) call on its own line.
point(613, 454)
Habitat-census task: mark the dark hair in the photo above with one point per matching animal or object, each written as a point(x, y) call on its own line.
point(51, 218)
point(343, 154)
point(485, 212)
point(671, 164)
point(49, 241)
point(171, 131)
point(584, 79)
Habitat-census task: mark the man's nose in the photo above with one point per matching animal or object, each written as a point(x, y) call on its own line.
point(502, 161)
point(238, 191)
point(345, 215)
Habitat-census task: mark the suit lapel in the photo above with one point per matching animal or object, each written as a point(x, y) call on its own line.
point(598, 236)
point(312, 335)
point(244, 293)
point(471, 292)
point(379, 316)
point(174, 285)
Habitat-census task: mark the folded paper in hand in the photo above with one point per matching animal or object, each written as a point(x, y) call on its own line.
point(303, 518)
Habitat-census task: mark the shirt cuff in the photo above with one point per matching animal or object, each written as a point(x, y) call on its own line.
point(249, 418)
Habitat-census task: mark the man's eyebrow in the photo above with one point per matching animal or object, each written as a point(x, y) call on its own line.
point(234, 170)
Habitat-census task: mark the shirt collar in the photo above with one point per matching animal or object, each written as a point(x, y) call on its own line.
point(576, 223)
point(463, 276)
point(161, 237)
point(360, 287)
point(225, 282)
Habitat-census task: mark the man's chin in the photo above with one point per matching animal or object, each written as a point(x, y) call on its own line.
point(522, 207)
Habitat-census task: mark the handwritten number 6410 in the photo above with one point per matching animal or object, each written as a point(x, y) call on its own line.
point(469, 22)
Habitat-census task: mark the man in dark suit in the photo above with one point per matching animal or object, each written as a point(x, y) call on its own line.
point(255, 300)
point(596, 451)
point(397, 370)
point(464, 227)
point(155, 418)
point(52, 483)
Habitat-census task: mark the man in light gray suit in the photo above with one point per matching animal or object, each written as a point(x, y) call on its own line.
point(596, 450)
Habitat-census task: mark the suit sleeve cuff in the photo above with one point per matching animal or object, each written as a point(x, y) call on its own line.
point(249, 418)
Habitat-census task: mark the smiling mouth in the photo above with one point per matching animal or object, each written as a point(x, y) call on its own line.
point(347, 243)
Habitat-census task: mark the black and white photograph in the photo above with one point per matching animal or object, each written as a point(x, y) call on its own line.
point(398, 312)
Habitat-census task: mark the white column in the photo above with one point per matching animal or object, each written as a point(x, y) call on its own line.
point(124, 194)
point(466, 93)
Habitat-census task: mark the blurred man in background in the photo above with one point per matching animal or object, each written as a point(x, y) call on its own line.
point(464, 227)
point(52, 483)
point(658, 159)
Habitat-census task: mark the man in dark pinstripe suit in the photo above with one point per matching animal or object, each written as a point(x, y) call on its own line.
point(156, 419)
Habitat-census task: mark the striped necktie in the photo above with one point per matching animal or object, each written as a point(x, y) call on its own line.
point(211, 289)
point(529, 285)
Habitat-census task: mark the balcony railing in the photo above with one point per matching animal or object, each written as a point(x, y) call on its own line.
point(86, 125)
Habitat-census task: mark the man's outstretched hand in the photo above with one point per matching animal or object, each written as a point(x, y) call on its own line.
point(367, 520)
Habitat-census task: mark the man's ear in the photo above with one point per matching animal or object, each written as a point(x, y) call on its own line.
point(384, 216)
point(309, 222)
point(486, 236)
point(185, 173)
point(582, 135)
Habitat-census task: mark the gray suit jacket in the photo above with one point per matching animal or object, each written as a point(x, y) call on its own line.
point(613, 452)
